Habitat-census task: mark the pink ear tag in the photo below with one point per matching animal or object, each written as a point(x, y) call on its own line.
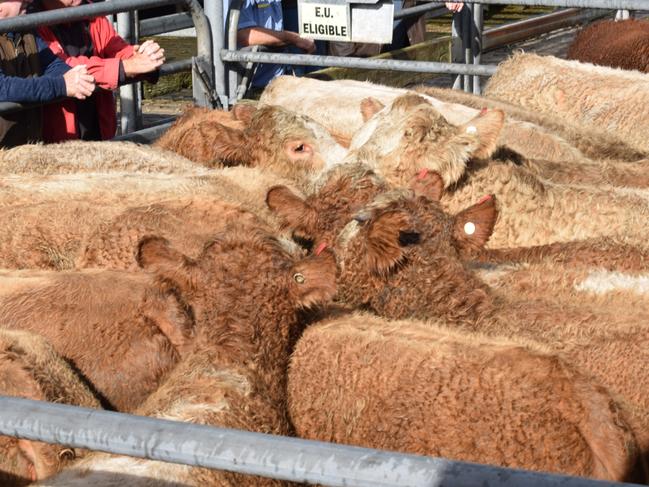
point(486, 197)
point(321, 248)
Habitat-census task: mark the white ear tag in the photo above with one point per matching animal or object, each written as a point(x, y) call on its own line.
point(471, 130)
point(469, 228)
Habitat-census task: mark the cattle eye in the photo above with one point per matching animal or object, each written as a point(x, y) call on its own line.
point(299, 148)
point(408, 238)
point(299, 278)
point(361, 217)
point(67, 454)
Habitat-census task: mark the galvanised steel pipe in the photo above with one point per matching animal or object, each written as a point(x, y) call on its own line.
point(70, 14)
point(356, 62)
point(149, 134)
point(608, 4)
point(165, 23)
point(420, 9)
point(277, 457)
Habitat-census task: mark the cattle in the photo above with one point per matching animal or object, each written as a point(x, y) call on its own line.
point(338, 195)
point(123, 331)
point(619, 44)
point(399, 258)
point(189, 135)
point(317, 219)
point(75, 157)
point(236, 374)
point(594, 144)
point(31, 369)
point(423, 388)
point(275, 139)
point(588, 96)
point(333, 105)
point(91, 215)
point(411, 136)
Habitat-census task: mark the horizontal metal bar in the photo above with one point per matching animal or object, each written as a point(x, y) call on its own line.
point(176, 67)
point(608, 4)
point(165, 23)
point(70, 14)
point(245, 452)
point(356, 62)
point(149, 134)
point(525, 29)
point(419, 9)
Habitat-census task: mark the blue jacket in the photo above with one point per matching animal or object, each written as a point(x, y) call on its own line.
point(46, 87)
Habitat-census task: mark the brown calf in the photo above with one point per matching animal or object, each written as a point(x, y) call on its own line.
point(31, 369)
point(622, 44)
point(422, 388)
point(236, 375)
point(400, 259)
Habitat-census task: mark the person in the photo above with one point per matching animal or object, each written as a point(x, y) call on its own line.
point(31, 73)
point(109, 58)
point(406, 32)
point(261, 23)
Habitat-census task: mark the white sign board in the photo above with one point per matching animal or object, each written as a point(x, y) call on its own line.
point(373, 22)
point(325, 21)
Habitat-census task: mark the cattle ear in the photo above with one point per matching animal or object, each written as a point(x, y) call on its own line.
point(485, 129)
point(474, 225)
point(387, 236)
point(243, 112)
point(155, 254)
point(226, 144)
point(315, 278)
point(369, 107)
point(172, 315)
point(293, 211)
point(429, 184)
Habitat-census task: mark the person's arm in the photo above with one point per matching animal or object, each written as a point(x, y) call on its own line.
point(275, 38)
point(111, 68)
point(31, 90)
point(251, 34)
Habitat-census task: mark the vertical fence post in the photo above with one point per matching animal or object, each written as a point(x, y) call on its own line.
point(214, 11)
point(127, 93)
point(457, 50)
point(232, 23)
point(476, 42)
point(467, 30)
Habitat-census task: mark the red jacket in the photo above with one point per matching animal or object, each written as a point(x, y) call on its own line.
point(59, 119)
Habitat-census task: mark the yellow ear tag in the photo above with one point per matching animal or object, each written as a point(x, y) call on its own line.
point(469, 228)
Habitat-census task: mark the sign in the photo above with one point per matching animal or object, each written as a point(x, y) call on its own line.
point(325, 21)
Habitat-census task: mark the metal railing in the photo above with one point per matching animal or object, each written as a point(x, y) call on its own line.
point(245, 452)
point(468, 26)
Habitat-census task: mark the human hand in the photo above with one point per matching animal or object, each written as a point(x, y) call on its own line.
point(146, 58)
point(78, 83)
point(454, 7)
point(151, 49)
point(307, 45)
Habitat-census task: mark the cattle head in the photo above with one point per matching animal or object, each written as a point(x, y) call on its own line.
point(411, 135)
point(401, 257)
point(243, 283)
point(344, 191)
point(291, 145)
